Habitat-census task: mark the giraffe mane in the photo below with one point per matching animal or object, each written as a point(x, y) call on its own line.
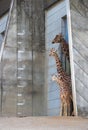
point(58, 38)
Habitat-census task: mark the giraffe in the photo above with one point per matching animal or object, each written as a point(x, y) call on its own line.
point(64, 45)
point(65, 95)
point(64, 82)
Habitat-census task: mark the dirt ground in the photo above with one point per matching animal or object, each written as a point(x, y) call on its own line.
point(43, 123)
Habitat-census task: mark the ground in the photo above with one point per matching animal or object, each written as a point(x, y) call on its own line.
point(43, 123)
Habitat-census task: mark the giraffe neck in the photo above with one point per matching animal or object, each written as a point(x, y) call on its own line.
point(58, 64)
point(63, 42)
point(65, 48)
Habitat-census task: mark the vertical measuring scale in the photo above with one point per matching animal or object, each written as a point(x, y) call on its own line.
point(20, 67)
point(24, 62)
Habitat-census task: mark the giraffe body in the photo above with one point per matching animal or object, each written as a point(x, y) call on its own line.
point(64, 82)
point(64, 45)
point(65, 96)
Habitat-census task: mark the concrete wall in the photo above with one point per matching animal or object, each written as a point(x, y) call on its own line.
point(3, 21)
point(30, 20)
point(53, 26)
point(23, 90)
point(9, 69)
point(23, 63)
point(4, 6)
point(22, 79)
point(79, 25)
point(49, 2)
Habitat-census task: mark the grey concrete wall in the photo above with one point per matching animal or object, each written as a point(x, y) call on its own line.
point(28, 53)
point(79, 25)
point(4, 6)
point(31, 20)
point(50, 2)
point(53, 27)
point(24, 92)
point(9, 69)
point(22, 79)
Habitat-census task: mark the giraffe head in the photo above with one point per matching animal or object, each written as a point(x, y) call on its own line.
point(52, 52)
point(58, 38)
point(55, 78)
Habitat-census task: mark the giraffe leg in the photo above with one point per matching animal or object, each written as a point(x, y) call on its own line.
point(61, 110)
point(68, 109)
point(71, 108)
point(65, 109)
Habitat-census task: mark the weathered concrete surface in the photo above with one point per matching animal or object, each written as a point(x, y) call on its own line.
point(9, 70)
point(43, 123)
point(4, 6)
point(23, 53)
point(50, 2)
point(79, 25)
point(33, 43)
